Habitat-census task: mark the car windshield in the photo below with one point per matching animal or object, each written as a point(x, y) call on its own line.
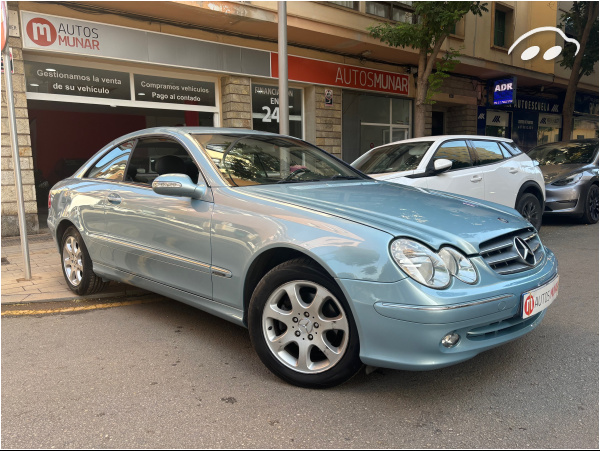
point(565, 153)
point(393, 158)
point(262, 160)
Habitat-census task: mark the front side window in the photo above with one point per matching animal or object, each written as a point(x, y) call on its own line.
point(455, 151)
point(263, 160)
point(112, 165)
point(488, 152)
point(157, 156)
point(393, 158)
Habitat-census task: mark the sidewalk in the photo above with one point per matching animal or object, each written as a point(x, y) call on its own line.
point(48, 282)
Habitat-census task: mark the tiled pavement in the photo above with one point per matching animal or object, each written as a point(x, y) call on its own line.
point(47, 283)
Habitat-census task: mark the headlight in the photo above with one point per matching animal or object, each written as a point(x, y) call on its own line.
point(429, 268)
point(458, 265)
point(570, 180)
point(420, 263)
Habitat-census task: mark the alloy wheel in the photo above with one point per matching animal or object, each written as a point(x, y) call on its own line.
point(305, 327)
point(72, 261)
point(593, 203)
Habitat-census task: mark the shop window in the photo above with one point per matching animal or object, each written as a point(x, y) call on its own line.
point(455, 151)
point(503, 21)
point(112, 165)
point(396, 11)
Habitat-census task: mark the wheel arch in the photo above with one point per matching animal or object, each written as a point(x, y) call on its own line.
point(266, 261)
point(533, 188)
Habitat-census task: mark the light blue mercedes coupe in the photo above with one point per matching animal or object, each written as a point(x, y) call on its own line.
point(327, 268)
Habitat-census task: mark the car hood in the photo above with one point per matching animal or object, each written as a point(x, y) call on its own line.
point(554, 172)
point(433, 217)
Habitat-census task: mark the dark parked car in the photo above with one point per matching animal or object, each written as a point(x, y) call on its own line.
point(571, 174)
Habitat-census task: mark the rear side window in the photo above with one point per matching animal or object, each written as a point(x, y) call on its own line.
point(488, 152)
point(455, 151)
point(512, 148)
point(112, 165)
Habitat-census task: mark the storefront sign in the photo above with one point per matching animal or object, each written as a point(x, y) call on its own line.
point(53, 78)
point(171, 90)
point(497, 118)
point(550, 120)
point(60, 34)
point(265, 109)
point(505, 90)
point(334, 74)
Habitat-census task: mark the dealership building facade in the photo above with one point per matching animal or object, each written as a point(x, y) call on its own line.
point(88, 72)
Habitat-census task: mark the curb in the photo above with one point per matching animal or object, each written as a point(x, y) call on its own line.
point(116, 294)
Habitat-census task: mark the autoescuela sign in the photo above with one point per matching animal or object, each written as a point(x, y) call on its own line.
point(334, 74)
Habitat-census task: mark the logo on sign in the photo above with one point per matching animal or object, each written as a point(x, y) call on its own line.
point(529, 304)
point(496, 120)
point(41, 31)
point(551, 53)
point(543, 121)
point(481, 116)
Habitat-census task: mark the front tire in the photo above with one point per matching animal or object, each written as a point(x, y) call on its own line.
point(302, 328)
point(590, 212)
point(530, 208)
point(77, 265)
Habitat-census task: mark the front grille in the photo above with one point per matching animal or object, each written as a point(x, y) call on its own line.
point(501, 255)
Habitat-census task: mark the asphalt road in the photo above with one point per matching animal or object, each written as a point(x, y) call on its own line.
point(163, 375)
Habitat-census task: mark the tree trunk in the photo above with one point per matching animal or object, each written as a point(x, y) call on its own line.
point(569, 104)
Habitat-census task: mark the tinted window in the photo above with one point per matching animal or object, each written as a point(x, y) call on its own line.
point(112, 165)
point(158, 156)
point(488, 151)
point(455, 151)
point(565, 153)
point(393, 158)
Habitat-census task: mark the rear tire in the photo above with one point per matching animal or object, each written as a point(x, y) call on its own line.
point(530, 208)
point(76, 265)
point(302, 328)
point(590, 208)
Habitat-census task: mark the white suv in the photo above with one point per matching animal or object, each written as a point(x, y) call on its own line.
point(493, 169)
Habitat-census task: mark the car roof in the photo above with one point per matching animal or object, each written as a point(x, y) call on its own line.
point(207, 131)
point(448, 137)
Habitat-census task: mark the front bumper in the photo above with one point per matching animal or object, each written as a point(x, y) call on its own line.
point(565, 200)
point(401, 324)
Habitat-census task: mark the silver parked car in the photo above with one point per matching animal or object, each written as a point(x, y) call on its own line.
point(328, 268)
point(571, 174)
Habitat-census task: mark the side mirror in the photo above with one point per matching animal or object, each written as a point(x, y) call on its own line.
point(442, 165)
point(178, 185)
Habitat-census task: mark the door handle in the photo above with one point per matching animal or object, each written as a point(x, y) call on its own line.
point(513, 170)
point(114, 198)
point(476, 178)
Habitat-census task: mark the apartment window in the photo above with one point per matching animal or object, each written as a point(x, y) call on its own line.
point(503, 19)
point(396, 11)
point(351, 5)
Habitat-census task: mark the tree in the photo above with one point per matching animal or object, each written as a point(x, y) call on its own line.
point(581, 22)
point(432, 23)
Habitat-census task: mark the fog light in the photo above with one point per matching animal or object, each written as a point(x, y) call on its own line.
point(450, 340)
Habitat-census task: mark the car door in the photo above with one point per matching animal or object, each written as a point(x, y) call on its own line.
point(502, 173)
point(165, 239)
point(99, 180)
point(463, 177)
